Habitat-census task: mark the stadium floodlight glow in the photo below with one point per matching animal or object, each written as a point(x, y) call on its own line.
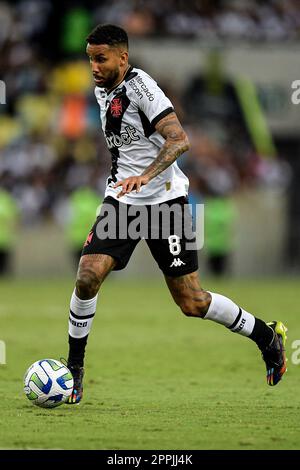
point(2, 92)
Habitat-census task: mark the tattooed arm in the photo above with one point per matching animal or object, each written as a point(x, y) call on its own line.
point(176, 143)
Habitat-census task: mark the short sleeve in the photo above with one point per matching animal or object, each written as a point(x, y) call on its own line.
point(149, 98)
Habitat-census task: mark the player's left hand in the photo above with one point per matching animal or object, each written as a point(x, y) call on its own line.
point(132, 183)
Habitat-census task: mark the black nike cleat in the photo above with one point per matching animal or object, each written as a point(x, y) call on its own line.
point(77, 392)
point(274, 354)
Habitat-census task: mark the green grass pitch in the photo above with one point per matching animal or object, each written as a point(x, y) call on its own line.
point(154, 378)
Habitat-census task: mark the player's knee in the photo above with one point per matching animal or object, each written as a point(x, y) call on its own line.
point(196, 306)
point(87, 284)
point(188, 308)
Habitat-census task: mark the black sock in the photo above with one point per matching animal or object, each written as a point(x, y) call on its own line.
point(262, 334)
point(77, 350)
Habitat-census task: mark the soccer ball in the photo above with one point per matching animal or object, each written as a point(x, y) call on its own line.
point(48, 383)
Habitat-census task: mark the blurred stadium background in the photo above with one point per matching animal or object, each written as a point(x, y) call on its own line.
point(152, 379)
point(228, 67)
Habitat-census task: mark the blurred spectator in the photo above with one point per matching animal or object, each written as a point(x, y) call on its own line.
point(8, 228)
point(208, 19)
point(76, 19)
point(83, 206)
point(219, 219)
point(212, 102)
point(50, 139)
point(213, 179)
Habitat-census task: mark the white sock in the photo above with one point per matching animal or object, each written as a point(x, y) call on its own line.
point(82, 313)
point(223, 310)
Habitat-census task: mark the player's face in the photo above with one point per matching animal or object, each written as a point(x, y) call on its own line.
point(108, 64)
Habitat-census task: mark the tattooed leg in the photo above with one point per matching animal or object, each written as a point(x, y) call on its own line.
point(196, 302)
point(92, 271)
point(188, 294)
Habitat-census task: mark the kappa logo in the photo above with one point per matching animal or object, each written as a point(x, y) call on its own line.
point(116, 107)
point(176, 263)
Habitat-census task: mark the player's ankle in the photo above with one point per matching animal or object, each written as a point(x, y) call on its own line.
point(262, 334)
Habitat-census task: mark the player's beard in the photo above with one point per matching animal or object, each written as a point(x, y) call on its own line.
point(112, 79)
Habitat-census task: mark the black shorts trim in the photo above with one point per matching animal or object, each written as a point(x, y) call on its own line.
point(183, 272)
point(121, 261)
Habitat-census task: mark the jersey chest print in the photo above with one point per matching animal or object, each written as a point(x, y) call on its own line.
point(114, 115)
point(129, 114)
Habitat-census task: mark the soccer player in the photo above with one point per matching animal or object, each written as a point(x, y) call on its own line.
point(145, 139)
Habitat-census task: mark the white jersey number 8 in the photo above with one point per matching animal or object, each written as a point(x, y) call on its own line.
point(174, 244)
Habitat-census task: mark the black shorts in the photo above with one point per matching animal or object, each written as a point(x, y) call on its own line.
point(166, 228)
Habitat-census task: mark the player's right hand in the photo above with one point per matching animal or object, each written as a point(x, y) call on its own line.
point(132, 183)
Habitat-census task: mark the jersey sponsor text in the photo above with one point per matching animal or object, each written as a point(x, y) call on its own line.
point(125, 138)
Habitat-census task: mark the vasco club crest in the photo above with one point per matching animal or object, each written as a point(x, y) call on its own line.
point(116, 107)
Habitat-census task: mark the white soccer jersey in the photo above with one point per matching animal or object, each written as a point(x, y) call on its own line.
point(128, 116)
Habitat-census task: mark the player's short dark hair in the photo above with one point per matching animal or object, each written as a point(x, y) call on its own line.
point(108, 34)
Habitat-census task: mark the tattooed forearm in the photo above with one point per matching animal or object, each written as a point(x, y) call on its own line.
point(176, 143)
point(168, 154)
